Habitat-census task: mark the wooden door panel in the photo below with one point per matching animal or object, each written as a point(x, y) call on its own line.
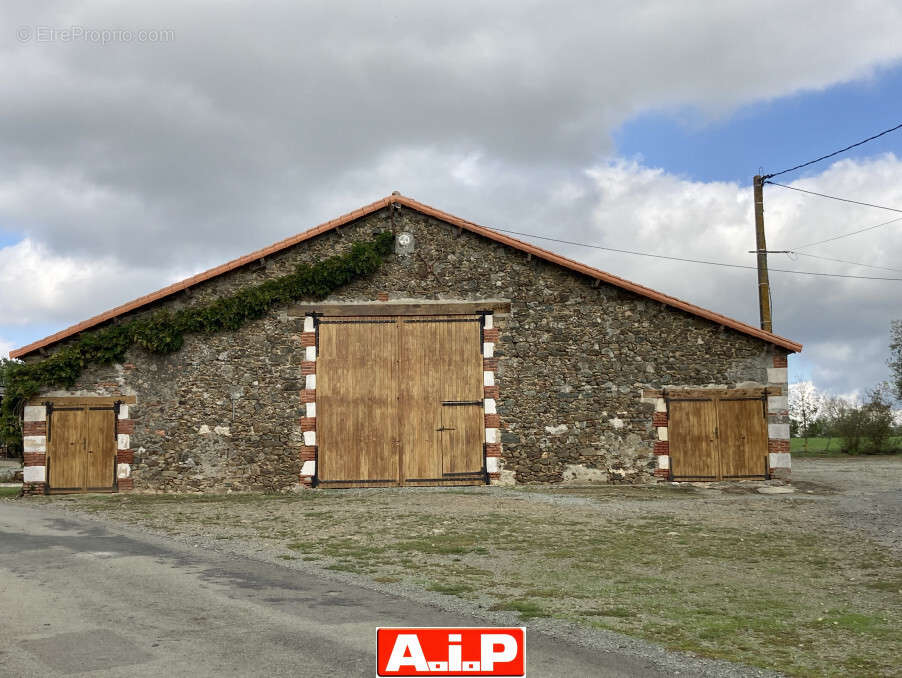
point(100, 452)
point(462, 383)
point(356, 401)
point(692, 430)
point(441, 360)
point(462, 442)
point(423, 347)
point(67, 449)
point(742, 438)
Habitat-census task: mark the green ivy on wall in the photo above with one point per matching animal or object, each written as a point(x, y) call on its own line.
point(164, 331)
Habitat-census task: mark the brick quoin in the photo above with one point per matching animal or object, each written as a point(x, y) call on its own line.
point(34, 428)
point(490, 392)
point(662, 447)
point(33, 488)
point(126, 426)
point(490, 364)
point(308, 395)
point(777, 445)
point(308, 367)
point(308, 339)
point(125, 457)
point(493, 449)
point(34, 459)
point(308, 453)
point(306, 481)
point(491, 335)
point(662, 473)
point(126, 484)
point(659, 419)
point(781, 361)
point(308, 423)
point(492, 421)
point(382, 296)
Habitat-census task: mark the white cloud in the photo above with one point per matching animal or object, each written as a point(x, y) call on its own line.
point(40, 287)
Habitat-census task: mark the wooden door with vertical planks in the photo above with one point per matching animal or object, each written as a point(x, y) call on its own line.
point(399, 401)
point(692, 432)
point(66, 449)
point(462, 406)
point(742, 428)
point(356, 402)
point(442, 422)
point(100, 448)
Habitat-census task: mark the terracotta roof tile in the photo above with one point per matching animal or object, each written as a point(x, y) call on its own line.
point(430, 211)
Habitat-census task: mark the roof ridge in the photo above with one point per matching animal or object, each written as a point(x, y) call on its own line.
point(429, 211)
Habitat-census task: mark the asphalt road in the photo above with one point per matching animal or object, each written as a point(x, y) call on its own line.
point(78, 597)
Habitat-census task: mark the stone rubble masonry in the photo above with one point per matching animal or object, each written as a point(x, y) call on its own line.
point(224, 412)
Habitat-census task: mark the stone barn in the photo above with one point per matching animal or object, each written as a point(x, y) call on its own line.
point(445, 354)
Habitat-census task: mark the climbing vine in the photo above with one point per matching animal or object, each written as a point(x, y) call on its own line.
point(164, 331)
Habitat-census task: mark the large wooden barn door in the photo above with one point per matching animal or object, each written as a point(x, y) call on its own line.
point(357, 402)
point(399, 401)
point(442, 423)
point(82, 449)
point(723, 436)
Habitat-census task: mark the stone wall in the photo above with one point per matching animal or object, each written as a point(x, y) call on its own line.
point(573, 359)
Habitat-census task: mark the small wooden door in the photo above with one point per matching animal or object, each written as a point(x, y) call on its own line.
point(692, 432)
point(716, 438)
point(399, 401)
point(357, 402)
point(82, 448)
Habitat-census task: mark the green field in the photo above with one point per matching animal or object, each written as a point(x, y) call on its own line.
point(832, 447)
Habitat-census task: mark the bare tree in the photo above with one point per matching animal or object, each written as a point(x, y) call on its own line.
point(805, 404)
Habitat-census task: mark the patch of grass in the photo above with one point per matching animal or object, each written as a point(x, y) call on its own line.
point(9, 492)
point(832, 447)
point(527, 608)
point(450, 589)
point(620, 612)
point(286, 557)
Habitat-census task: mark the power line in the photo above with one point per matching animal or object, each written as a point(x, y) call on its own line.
point(693, 261)
point(833, 197)
point(830, 155)
point(845, 261)
point(846, 235)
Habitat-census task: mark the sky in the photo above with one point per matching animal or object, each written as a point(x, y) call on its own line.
point(143, 142)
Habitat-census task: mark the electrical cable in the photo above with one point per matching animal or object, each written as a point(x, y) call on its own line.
point(846, 235)
point(833, 197)
point(830, 155)
point(846, 261)
point(693, 261)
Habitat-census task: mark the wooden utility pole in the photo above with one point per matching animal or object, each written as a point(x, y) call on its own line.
point(761, 247)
